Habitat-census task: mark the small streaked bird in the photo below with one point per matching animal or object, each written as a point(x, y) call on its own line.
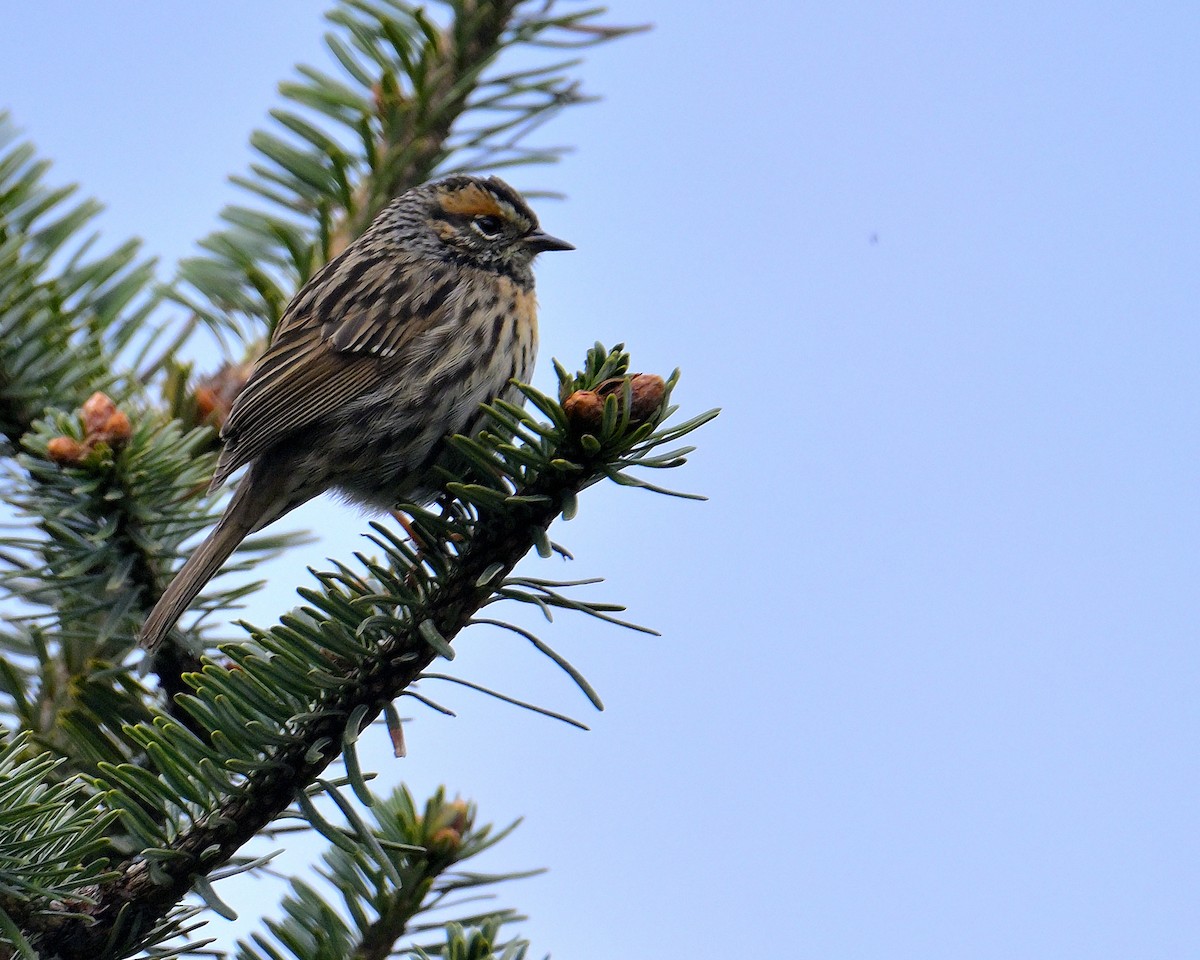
point(390, 348)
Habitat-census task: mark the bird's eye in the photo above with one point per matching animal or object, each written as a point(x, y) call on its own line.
point(488, 227)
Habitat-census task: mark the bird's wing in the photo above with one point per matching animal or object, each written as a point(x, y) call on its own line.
point(350, 330)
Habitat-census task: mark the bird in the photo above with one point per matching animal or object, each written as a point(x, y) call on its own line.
point(394, 345)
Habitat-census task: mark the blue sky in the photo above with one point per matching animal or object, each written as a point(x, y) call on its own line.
point(927, 685)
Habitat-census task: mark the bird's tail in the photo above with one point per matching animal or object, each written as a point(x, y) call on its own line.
point(245, 512)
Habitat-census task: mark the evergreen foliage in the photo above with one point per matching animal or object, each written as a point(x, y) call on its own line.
point(122, 792)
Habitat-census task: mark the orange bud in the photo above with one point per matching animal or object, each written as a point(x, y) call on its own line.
point(96, 411)
point(584, 410)
point(116, 430)
point(215, 394)
point(648, 390)
point(66, 451)
point(103, 422)
point(460, 815)
point(206, 403)
point(445, 843)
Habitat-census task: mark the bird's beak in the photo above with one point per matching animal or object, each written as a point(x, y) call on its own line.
point(540, 242)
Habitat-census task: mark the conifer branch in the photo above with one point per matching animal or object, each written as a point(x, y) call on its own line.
point(64, 311)
point(365, 638)
point(136, 804)
point(420, 91)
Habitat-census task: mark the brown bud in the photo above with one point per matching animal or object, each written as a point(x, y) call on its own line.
point(66, 451)
point(584, 410)
point(445, 843)
point(460, 812)
point(207, 403)
point(103, 422)
point(648, 390)
point(116, 430)
point(215, 394)
point(96, 411)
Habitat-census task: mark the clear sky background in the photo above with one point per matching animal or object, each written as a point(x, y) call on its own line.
point(927, 685)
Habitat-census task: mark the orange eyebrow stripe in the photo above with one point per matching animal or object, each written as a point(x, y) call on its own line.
point(471, 201)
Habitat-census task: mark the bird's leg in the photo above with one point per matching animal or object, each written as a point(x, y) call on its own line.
point(402, 518)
